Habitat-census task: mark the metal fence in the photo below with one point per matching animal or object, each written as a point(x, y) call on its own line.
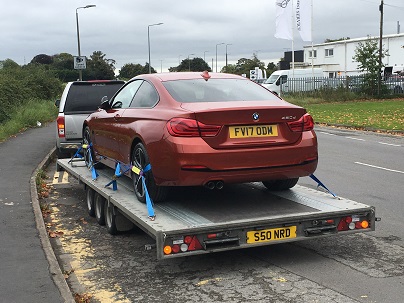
point(355, 84)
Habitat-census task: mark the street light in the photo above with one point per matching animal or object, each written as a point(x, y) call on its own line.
point(78, 34)
point(189, 62)
point(226, 55)
point(148, 40)
point(216, 53)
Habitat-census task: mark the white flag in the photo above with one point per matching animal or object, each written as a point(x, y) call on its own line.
point(303, 19)
point(283, 20)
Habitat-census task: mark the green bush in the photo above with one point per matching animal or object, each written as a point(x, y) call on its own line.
point(19, 85)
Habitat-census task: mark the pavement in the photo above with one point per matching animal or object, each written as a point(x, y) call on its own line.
point(29, 271)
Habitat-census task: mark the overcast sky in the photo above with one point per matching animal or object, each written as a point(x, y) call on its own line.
point(119, 28)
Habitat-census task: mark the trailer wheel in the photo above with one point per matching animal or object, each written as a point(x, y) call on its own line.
point(90, 198)
point(276, 185)
point(99, 208)
point(140, 159)
point(110, 218)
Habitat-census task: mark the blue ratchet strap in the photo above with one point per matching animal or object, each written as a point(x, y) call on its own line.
point(319, 183)
point(117, 174)
point(149, 202)
point(94, 173)
point(76, 155)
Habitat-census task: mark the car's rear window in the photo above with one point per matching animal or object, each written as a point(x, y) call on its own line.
point(217, 90)
point(86, 97)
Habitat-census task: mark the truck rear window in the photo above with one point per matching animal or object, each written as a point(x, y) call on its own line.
point(86, 97)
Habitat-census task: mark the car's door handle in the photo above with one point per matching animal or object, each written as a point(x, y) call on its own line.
point(116, 117)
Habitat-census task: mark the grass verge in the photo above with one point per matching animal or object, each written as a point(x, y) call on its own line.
point(28, 115)
point(385, 115)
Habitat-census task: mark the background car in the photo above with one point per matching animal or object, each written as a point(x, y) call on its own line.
point(79, 99)
point(202, 129)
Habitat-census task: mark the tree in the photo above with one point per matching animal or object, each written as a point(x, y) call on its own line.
point(99, 68)
point(271, 67)
point(367, 56)
point(194, 65)
point(10, 64)
point(63, 64)
point(230, 69)
point(42, 59)
point(131, 70)
point(243, 65)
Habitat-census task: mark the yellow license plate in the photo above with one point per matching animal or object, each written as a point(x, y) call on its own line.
point(273, 234)
point(253, 131)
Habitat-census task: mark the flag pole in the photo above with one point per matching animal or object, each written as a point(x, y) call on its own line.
point(293, 44)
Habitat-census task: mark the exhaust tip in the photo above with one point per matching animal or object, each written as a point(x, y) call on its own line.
point(210, 185)
point(219, 184)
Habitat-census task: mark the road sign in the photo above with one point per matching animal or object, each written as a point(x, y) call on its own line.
point(79, 62)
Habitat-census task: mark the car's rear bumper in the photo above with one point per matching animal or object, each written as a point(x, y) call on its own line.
point(195, 163)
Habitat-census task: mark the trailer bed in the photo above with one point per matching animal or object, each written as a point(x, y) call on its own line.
point(237, 211)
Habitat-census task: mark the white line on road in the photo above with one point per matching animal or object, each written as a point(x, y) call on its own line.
point(388, 169)
point(327, 134)
point(397, 145)
point(355, 138)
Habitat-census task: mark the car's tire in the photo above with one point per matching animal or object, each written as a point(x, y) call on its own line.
point(89, 151)
point(277, 185)
point(99, 209)
point(110, 218)
point(90, 198)
point(140, 159)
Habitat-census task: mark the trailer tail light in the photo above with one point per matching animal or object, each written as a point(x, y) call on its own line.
point(182, 244)
point(60, 121)
point(352, 223)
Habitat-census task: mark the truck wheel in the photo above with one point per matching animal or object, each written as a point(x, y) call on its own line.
point(99, 209)
point(90, 197)
point(140, 159)
point(276, 185)
point(110, 218)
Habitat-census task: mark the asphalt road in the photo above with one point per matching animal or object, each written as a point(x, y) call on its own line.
point(369, 267)
point(25, 274)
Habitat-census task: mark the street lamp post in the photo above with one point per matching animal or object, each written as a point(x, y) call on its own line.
point(189, 62)
point(78, 34)
point(148, 40)
point(226, 55)
point(216, 53)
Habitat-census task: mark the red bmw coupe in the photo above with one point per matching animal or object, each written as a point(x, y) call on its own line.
point(202, 129)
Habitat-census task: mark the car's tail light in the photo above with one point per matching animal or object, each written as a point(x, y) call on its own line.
point(60, 121)
point(181, 127)
point(305, 123)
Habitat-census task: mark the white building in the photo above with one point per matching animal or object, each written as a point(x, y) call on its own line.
point(335, 58)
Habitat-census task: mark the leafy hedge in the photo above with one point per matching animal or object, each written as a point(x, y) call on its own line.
point(20, 85)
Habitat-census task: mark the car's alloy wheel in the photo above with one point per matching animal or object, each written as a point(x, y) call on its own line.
point(140, 159)
point(280, 184)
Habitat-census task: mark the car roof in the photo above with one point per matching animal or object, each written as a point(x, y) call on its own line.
point(188, 76)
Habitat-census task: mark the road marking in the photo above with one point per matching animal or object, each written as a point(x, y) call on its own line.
point(327, 134)
point(397, 145)
point(60, 179)
point(374, 166)
point(355, 139)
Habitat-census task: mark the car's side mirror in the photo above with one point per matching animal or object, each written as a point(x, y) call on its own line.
point(105, 103)
point(278, 82)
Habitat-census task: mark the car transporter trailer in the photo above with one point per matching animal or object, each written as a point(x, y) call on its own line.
point(196, 220)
